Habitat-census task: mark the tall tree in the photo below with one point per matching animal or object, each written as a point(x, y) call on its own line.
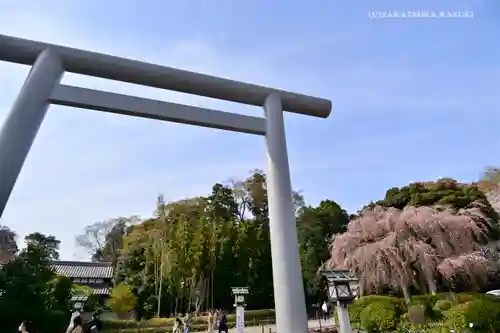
point(316, 226)
point(47, 244)
point(24, 286)
point(103, 240)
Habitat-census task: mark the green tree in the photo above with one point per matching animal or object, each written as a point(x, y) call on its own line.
point(25, 289)
point(316, 226)
point(122, 299)
point(47, 244)
point(60, 290)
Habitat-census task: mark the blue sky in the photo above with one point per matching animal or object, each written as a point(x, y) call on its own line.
point(413, 99)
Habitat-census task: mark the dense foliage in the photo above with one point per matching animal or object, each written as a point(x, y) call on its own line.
point(122, 299)
point(29, 289)
point(199, 324)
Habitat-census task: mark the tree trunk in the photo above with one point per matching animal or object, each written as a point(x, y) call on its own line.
point(176, 304)
point(361, 289)
point(160, 287)
point(406, 293)
point(432, 286)
point(431, 283)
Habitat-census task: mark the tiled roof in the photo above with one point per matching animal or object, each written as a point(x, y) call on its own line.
point(82, 269)
point(96, 290)
point(100, 290)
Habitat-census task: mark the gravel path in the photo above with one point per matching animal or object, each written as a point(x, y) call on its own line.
point(258, 329)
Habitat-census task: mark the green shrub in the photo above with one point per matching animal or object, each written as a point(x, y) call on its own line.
point(435, 327)
point(261, 313)
point(468, 297)
point(122, 299)
point(380, 317)
point(160, 321)
point(360, 304)
point(482, 311)
point(250, 316)
point(197, 327)
point(455, 318)
point(442, 305)
point(426, 299)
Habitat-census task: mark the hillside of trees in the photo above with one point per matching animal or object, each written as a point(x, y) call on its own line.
point(423, 237)
point(192, 251)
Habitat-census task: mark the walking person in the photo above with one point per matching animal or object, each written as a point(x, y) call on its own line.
point(210, 321)
point(324, 307)
point(215, 323)
point(177, 326)
point(77, 326)
point(187, 322)
point(74, 314)
point(223, 327)
point(95, 324)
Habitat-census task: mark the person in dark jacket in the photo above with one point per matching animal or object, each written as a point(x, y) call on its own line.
point(95, 324)
point(223, 327)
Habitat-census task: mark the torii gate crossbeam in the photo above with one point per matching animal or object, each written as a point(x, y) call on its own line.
point(42, 88)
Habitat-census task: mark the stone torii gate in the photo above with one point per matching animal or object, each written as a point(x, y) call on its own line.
point(42, 88)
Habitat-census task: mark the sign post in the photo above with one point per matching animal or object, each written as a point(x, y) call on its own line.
point(239, 303)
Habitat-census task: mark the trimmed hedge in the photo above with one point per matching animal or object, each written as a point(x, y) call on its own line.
point(250, 316)
point(483, 311)
point(194, 327)
point(360, 304)
point(442, 311)
point(442, 305)
point(380, 317)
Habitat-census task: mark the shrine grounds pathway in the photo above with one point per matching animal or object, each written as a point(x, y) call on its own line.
point(258, 329)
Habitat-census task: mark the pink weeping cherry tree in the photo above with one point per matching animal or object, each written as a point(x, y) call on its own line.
point(401, 249)
point(474, 267)
point(8, 246)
